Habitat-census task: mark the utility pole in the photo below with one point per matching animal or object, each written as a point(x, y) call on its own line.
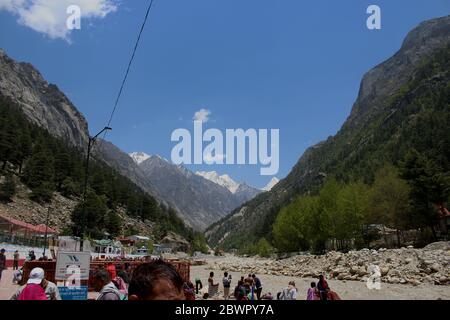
point(46, 229)
point(86, 179)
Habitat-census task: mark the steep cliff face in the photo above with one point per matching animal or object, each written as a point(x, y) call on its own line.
point(386, 78)
point(124, 164)
point(349, 146)
point(43, 103)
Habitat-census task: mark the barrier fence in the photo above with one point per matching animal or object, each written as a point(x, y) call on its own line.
point(49, 268)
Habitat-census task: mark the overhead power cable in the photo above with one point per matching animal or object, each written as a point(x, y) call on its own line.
point(129, 67)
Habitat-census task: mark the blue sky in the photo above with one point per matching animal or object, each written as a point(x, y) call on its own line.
point(291, 65)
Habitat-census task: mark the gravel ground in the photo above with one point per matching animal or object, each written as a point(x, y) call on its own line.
point(347, 290)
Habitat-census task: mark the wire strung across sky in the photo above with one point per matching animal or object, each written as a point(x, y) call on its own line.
point(129, 67)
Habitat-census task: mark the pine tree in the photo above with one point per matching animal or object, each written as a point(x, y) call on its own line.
point(88, 218)
point(42, 193)
point(113, 223)
point(63, 168)
point(430, 187)
point(39, 168)
point(8, 188)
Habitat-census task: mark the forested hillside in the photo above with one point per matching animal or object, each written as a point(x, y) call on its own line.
point(45, 164)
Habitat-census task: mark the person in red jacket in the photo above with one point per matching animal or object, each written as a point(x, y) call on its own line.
point(111, 268)
point(33, 289)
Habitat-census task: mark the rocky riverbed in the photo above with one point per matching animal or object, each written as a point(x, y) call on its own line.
point(429, 265)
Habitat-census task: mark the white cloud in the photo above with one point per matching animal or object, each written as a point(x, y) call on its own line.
point(49, 16)
point(202, 115)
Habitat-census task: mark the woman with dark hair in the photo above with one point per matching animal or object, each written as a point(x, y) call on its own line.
point(189, 291)
point(213, 288)
point(313, 293)
point(156, 280)
point(322, 286)
point(239, 289)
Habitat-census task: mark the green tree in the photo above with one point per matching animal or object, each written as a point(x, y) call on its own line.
point(42, 193)
point(62, 168)
point(430, 186)
point(263, 248)
point(39, 173)
point(88, 218)
point(113, 223)
point(8, 188)
point(68, 188)
point(388, 201)
point(327, 220)
point(351, 208)
point(291, 231)
point(198, 243)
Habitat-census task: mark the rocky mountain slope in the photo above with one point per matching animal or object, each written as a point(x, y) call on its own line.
point(125, 165)
point(42, 103)
point(246, 193)
point(24, 209)
point(374, 127)
point(199, 201)
point(45, 105)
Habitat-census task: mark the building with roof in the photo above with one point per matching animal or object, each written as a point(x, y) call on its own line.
point(19, 232)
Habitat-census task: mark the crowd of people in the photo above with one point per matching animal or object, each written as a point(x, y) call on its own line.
point(321, 291)
point(250, 288)
point(159, 280)
point(37, 288)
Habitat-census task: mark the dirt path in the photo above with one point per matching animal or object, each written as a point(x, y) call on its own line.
point(7, 288)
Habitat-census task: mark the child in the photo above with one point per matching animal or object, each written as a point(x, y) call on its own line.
point(313, 293)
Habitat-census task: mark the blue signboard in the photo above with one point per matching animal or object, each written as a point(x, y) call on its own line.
point(73, 293)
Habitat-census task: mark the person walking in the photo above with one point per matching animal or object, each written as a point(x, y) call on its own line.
point(313, 293)
point(258, 286)
point(226, 285)
point(198, 285)
point(32, 256)
point(37, 276)
point(2, 262)
point(323, 288)
point(33, 289)
point(16, 260)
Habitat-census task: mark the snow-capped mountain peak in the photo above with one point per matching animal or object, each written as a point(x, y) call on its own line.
point(223, 180)
point(139, 157)
point(271, 184)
